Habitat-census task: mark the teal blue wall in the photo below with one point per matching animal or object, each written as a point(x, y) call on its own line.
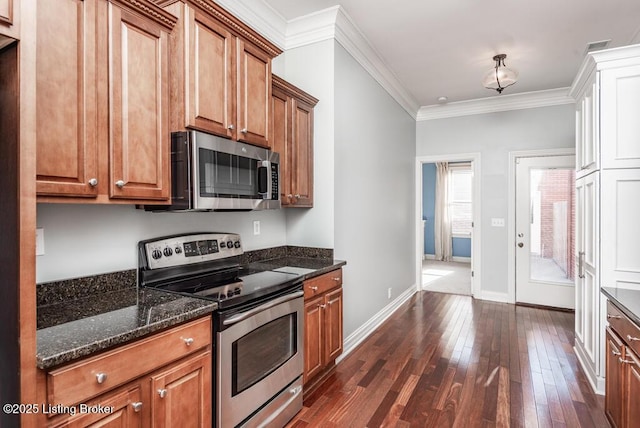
point(461, 246)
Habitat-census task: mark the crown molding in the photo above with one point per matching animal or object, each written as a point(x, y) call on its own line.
point(335, 23)
point(521, 101)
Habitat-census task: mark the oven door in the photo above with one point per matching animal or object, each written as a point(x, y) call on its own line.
point(260, 363)
point(233, 176)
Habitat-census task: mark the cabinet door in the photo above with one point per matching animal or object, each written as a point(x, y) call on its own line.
point(587, 317)
point(613, 379)
point(126, 410)
point(333, 325)
point(619, 110)
point(280, 141)
point(587, 130)
point(313, 337)
point(210, 73)
point(182, 394)
point(632, 389)
point(620, 228)
point(302, 171)
point(9, 19)
point(254, 94)
point(66, 108)
point(138, 105)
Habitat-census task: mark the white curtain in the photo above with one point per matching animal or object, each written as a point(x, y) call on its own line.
point(442, 215)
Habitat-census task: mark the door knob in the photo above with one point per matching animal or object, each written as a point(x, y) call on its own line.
point(520, 244)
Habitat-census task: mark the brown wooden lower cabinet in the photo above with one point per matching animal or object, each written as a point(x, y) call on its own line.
point(323, 339)
point(622, 384)
point(175, 391)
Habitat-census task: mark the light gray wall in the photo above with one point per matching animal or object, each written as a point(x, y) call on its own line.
point(83, 240)
point(374, 192)
point(311, 68)
point(494, 135)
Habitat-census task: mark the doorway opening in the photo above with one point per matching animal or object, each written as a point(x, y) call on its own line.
point(448, 213)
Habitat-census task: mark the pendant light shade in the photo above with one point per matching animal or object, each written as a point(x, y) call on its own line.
point(500, 76)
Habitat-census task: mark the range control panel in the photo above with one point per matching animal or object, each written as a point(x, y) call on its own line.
point(189, 249)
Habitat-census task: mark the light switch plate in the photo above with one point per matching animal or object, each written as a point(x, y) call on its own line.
point(497, 222)
point(40, 241)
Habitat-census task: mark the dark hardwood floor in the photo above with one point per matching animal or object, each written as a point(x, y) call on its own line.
point(446, 360)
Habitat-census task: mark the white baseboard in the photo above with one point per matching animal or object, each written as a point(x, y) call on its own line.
point(495, 296)
point(355, 338)
point(597, 382)
point(428, 257)
point(461, 259)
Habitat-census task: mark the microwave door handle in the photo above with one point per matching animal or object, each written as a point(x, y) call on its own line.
point(264, 179)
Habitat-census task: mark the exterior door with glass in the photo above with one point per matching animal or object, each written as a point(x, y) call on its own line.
point(545, 207)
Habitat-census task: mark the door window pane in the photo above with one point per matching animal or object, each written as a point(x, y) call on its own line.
point(552, 225)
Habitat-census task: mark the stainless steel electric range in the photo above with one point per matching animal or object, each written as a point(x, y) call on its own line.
point(258, 327)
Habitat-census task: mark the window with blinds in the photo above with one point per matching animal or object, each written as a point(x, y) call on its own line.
point(460, 197)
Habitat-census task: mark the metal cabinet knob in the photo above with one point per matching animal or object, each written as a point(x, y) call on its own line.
point(314, 288)
point(137, 406)
point(120, 184)
point(188, 341)
point(162, 393)
point(297, 196)
point(231, 127)
point(93, 182)
point(244, 130)
point(615, 353)
point(101, 377)
point(336, 279)
point(322, 306)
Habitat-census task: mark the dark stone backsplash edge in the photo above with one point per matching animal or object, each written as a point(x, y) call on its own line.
point(53, 292)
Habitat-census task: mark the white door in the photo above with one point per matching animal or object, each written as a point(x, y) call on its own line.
point(545, 204)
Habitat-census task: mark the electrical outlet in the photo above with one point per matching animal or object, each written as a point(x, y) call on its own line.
point(389, 293)
point(256, 227)
point(40, 241)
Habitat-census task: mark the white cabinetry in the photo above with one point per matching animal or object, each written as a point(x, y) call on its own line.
point(607, 94)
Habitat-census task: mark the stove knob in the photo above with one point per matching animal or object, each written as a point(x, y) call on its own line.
point(178, 250)
point(168, 252)
point(156, 254)
point(237, 244)
point(229, 244)
point(236, 290)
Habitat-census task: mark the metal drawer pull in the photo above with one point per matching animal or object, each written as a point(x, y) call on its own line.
point(616, 353)
point(626, 361)
point(101, 377)
point(188, 341)
point(631, 338)
point(609, 316)
point(162, 393)
point(137, 406)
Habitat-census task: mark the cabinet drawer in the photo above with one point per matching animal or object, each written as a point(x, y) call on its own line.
point(624, 327)
point(322, 283)
point(80, 381)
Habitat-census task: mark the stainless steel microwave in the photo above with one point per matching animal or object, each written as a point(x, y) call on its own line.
point(210, 173)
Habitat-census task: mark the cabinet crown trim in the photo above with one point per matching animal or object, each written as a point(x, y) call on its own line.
point(150, 10)
point(292, 90)
point(237, 26)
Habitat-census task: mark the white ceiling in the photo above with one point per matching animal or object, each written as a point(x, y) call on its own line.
point(444, 47)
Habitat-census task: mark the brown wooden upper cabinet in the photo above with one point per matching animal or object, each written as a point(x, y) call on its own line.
point(220, 73)
point(8, 20)
point(292, 137)
point(102, 101)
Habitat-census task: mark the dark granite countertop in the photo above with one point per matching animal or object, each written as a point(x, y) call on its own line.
point(85, 315)
point(77, 328)
point(628, 301)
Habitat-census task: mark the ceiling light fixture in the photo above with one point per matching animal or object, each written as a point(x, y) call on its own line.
point(500, 76)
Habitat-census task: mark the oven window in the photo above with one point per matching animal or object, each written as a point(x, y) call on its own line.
point(262, 351)
point(224, 174)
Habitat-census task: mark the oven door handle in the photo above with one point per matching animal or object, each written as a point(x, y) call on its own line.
point(244, 315)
